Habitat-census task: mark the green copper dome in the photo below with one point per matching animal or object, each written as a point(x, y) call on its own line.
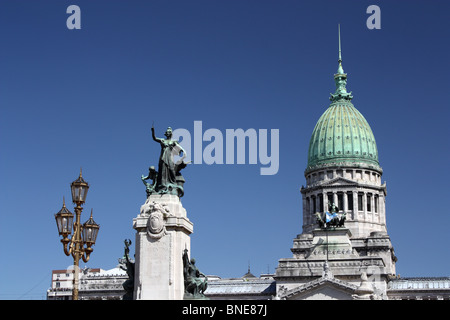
point(342, 136)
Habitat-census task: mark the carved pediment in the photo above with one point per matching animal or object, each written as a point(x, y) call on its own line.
point(339, 181)
point(324, 288)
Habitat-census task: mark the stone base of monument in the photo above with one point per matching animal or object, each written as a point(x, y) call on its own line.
point(333, 240)
point(188, 296)
point(162, 234)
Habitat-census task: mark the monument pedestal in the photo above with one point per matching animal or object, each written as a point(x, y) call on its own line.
point(334, 240)
point(162, 234)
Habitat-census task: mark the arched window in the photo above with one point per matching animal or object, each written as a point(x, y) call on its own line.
point(360, 202)
point(340, 204)
point(330, 199)
point(350, 201)
point(320, 202)
point(376, 203)
point(307, 205)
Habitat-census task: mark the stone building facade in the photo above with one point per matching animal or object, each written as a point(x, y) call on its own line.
point(107, 285)
point(95, 284)
point(355, 261)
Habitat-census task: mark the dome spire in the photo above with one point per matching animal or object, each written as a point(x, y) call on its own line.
point(340, 69)
point(340, 78)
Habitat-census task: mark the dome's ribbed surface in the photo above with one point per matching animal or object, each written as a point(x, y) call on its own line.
point(342, 137)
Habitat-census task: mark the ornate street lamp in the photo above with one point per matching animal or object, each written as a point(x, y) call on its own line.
point(83, 235)
point(79, 190)
point(90, 231)
point(64, 221)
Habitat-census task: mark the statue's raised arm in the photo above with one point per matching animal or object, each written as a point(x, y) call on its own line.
point(154, 136)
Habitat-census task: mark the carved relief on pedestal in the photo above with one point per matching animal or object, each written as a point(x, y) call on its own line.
point(157, 215)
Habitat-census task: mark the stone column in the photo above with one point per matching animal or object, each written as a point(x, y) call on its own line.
point(355, 205)
point(382, 208)
point(162, 234)
point(345, 200)
point(317, 199)
point(305, 211)
point(324, 201)
point(365, 206)
point(372, 207)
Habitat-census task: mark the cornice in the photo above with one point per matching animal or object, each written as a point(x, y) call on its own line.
point(345, 183)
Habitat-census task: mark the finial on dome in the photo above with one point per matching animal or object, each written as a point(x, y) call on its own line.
point(340, 78)
point(340, 69)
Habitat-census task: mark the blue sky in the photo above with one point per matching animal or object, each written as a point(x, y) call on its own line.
point(87, 98)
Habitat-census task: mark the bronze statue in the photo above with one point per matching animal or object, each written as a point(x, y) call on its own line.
point(152, 174)
point(332, 218)
point(168, 178)
point(195, 282)
point(128, 285)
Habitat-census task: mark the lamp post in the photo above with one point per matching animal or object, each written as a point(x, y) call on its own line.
point(84, 236)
